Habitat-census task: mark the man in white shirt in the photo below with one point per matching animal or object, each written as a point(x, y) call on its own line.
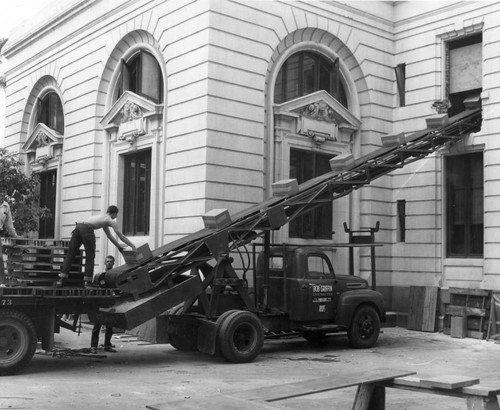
point(6, 227)
point(83, 234)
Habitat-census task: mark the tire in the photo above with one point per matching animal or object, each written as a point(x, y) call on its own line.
point(17, 341)
point(240, 337)
point(224, 315)
point(365, 328)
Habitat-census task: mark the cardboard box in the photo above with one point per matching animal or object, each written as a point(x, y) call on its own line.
point(216, 218)
point(285, 187)
point(142, 254)
point(437, 121)
point(393, 140)
point(341, 162)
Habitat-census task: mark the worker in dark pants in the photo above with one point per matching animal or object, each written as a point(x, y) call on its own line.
point(83, 234)
point(96, 330)
point(6, 228)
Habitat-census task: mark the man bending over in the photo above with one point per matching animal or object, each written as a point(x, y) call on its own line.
point(84, 234)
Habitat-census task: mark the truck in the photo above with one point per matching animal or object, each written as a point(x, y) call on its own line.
point(190, 286)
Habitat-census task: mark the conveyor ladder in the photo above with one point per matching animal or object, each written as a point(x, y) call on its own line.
point(193, 250)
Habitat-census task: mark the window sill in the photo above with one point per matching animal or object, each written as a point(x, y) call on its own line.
point(476, 262)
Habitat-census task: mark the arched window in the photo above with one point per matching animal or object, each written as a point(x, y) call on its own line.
point(141, 74)
point(306, 72)
point(50, 112)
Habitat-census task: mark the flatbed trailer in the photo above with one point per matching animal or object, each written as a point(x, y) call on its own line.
point(31, 313)
point(194, 275)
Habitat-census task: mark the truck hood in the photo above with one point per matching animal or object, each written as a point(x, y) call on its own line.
point(350, 282)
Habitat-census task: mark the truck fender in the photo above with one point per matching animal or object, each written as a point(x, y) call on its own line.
point(349, 301)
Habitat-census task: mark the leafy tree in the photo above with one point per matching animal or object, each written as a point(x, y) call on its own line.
point(22, 193)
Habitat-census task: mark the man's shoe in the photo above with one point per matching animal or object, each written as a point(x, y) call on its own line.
point(93, 350)
point(109, 349)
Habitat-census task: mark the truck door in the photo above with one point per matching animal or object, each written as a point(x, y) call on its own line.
point(313, 295)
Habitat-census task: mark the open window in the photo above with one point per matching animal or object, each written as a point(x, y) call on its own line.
point(141, 74)
point(50, 112)
point(306, 72)
point(464, 71)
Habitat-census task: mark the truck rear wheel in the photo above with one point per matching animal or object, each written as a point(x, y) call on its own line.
point(365, 328)
point(240, 337)
point(17, 341)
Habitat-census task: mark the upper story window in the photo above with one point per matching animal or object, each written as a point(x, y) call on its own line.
point(464, 71)
point(141, 74)
point(306, 72)
point(50, 112)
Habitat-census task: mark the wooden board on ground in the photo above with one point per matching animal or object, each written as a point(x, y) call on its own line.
point(422, 308)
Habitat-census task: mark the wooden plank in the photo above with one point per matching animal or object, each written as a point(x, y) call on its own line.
point(306, 387)
point(422, 308)
point(449, 382)
point(464, 311)
point(416, 307)
point(430, 306)
point(412, 383)
point(474, 292)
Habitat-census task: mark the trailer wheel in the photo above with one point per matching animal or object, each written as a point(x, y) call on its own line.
point(17, 341)
point(240, 337)
point(365, 328)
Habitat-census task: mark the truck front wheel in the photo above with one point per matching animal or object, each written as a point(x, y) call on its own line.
point(17, 341)
point(240, 337)
point(365, 328)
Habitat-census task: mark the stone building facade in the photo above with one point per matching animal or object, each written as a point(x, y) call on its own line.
point(169, 109)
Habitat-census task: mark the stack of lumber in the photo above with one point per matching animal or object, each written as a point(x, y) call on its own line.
point(37, 262)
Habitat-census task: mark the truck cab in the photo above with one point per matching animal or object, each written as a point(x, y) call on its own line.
point(301, 292)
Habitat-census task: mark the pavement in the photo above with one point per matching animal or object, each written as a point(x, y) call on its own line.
point(141, 374)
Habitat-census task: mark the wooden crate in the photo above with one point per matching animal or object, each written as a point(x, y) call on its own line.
point(472, 304)
point(38, 262)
